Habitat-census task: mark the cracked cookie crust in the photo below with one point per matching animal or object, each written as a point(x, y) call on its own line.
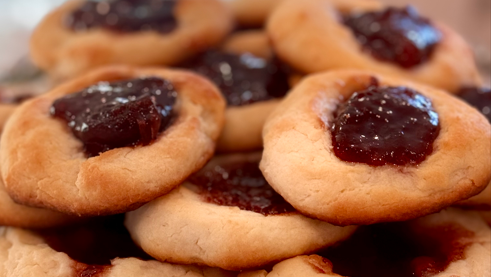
point(300, 164)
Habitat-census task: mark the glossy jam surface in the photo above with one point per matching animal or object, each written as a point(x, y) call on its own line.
point(385, 125)
point(84, 270)
point(124, 15)
point(240, 184)
point(388, 250)
point(243, 79)
point(398, 35)
point(123, 113)
point(480, 98)
point(95, 243)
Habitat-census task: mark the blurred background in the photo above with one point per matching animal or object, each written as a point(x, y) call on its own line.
point(471, 18)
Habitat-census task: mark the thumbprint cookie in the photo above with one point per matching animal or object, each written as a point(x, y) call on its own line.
point(227, 216)
point(255, 13)
point(13, 214)
point(111, 140)
point(314, 36)
point(351, 147)
point(84, 34)
point(450, 243)
point(479, 98)
point(251, 84)
point(102, 248)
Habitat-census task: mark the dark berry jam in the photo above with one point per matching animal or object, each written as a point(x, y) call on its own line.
point(243, 79)
point(385, 125)
point(95, 243)
point(396, 249)
point(480, 98)
point(124, 15)
point(240, 184)
point(118, 114)
point(397, 35)
point(83, 270)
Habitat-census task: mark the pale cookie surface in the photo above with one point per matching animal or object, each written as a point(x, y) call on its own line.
point(25, 254)
point(468, 233)
point(44, 165)
point(13, 214)
point(186, 226)
point(310, 36)
point(300, 164)
point(482, 201)
point(66, 53)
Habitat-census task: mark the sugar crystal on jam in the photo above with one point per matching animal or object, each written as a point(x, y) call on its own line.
point(118, 114)
point(124, 15)
point(398, 35)
point(243, 79)
point(385, 125)
point(240, 184)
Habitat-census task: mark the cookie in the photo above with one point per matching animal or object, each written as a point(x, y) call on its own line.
point(482, 201)
point(479, 98)
point(314, 36)
point(255, 42)
point(111, 140)
point(227, 216)
point(450, 243)
point(104, 244)
point(352, 147)
point(254, 13)
point(252, 86)
point(13, 214)
point(82, 35)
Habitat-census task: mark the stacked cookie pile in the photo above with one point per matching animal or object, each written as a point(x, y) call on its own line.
point(247, 138)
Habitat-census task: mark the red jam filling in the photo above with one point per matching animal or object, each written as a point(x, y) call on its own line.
point(94, 244)
point(243, 79)
point(480, 98)
point(124, 15)
point(385, 125)
point(398, 35)
point(388, 250)
point(118, 114)
point(240, 184)
point(84, 270)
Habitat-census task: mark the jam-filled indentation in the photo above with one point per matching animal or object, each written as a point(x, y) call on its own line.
point(118, 114)
point(94, 243)
point(398, 35)
point(240, 184)
point(396, 249)
point(243, 79)
point(385, 125)
point(124, 16)
point(480, 98)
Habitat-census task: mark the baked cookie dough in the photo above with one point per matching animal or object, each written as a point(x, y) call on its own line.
point(227, 216)
point(450, 243)
point(24, 253)
point(254, 13)
point(311, 37)
point(66, 45)
point(251, 80)
point(482, 201)
point(13, 214)
point(301, 163)
point(45, 165)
